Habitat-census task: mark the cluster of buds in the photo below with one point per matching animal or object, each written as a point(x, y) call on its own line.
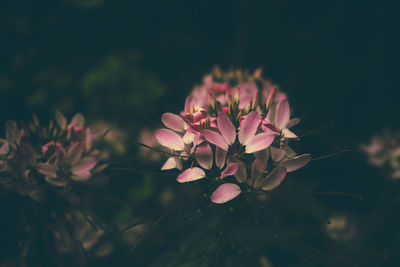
point(234, 130)
point(384, 151)
point(34, 158)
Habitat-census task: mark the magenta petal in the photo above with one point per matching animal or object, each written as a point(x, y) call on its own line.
point(277, 154)
point(215, 138)
point(204, 156)
point(191, 174)
point(259, 142)
point(225, 193)
point(275, 178)
point(169, 164)
point(170, 139)
point(78, 120)
point(84, 166)
point(47, 170)
point(282, 114)
point(226, 128)
point(249, 127)
point(296, 162)
point(173, 121)
point(230, 169)
point(220, 157)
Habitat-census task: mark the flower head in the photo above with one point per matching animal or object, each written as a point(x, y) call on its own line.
point(234, 127)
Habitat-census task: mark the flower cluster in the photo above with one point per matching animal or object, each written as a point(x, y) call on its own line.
point(384, 151)
point(33, 157)
point(233, 125)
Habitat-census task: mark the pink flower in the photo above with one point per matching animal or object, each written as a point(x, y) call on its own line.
point(66, 165)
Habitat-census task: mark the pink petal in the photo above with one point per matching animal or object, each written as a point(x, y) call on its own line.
point(277, 154)
point(74, 153)
point(293, 122)
point(169, 164)
point(56, 181)
point(249, 127)
point(169, 139)
point(178, 161)
point(84, 166)
point(204, 156)
point(230, 169)
point(259, 142)
point(241, 174)
point(282, 114)
point(275, 178)
point(78, 120)
point(191, 174)
point(4, 148)
point(47, 170)
point(226, 128)
point(288, 134)
point(220, 157)
point(215, 138)
point(263, 156)
point(296, 162)
point(81, 176)
point(61, 120)
point(173, 121)
point(225, 193)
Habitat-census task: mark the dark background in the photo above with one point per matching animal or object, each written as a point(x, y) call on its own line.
point(129, 61)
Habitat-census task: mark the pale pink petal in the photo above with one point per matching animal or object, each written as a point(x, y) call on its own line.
point(56, 181)
point(288, 134)
point(293, 122)
point(241, 174)
point(226, 128)
point(231, 169)
point(81, 176)
point(220, 157)
point(257, 172)
point(169, 164)
point(263, 156)
point(169, 139)
point(89, 139)
point(47, 170)
point(74, 153)
point(277, 154)
point(191, 174)
point(244, 101)
point(84, 166)
point(215, 138)
point(178, 161)
point(275, 178)
point(78, 120)
point(4, 148)
point(188, 137)
point(204, 156)
point(173, 121)
point(296, 162)
point(61, 120)
point(282, 114)
point(259, 142)
point(225, 193)
point(249, 127)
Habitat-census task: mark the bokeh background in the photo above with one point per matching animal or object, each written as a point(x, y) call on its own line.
point(127, 62)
